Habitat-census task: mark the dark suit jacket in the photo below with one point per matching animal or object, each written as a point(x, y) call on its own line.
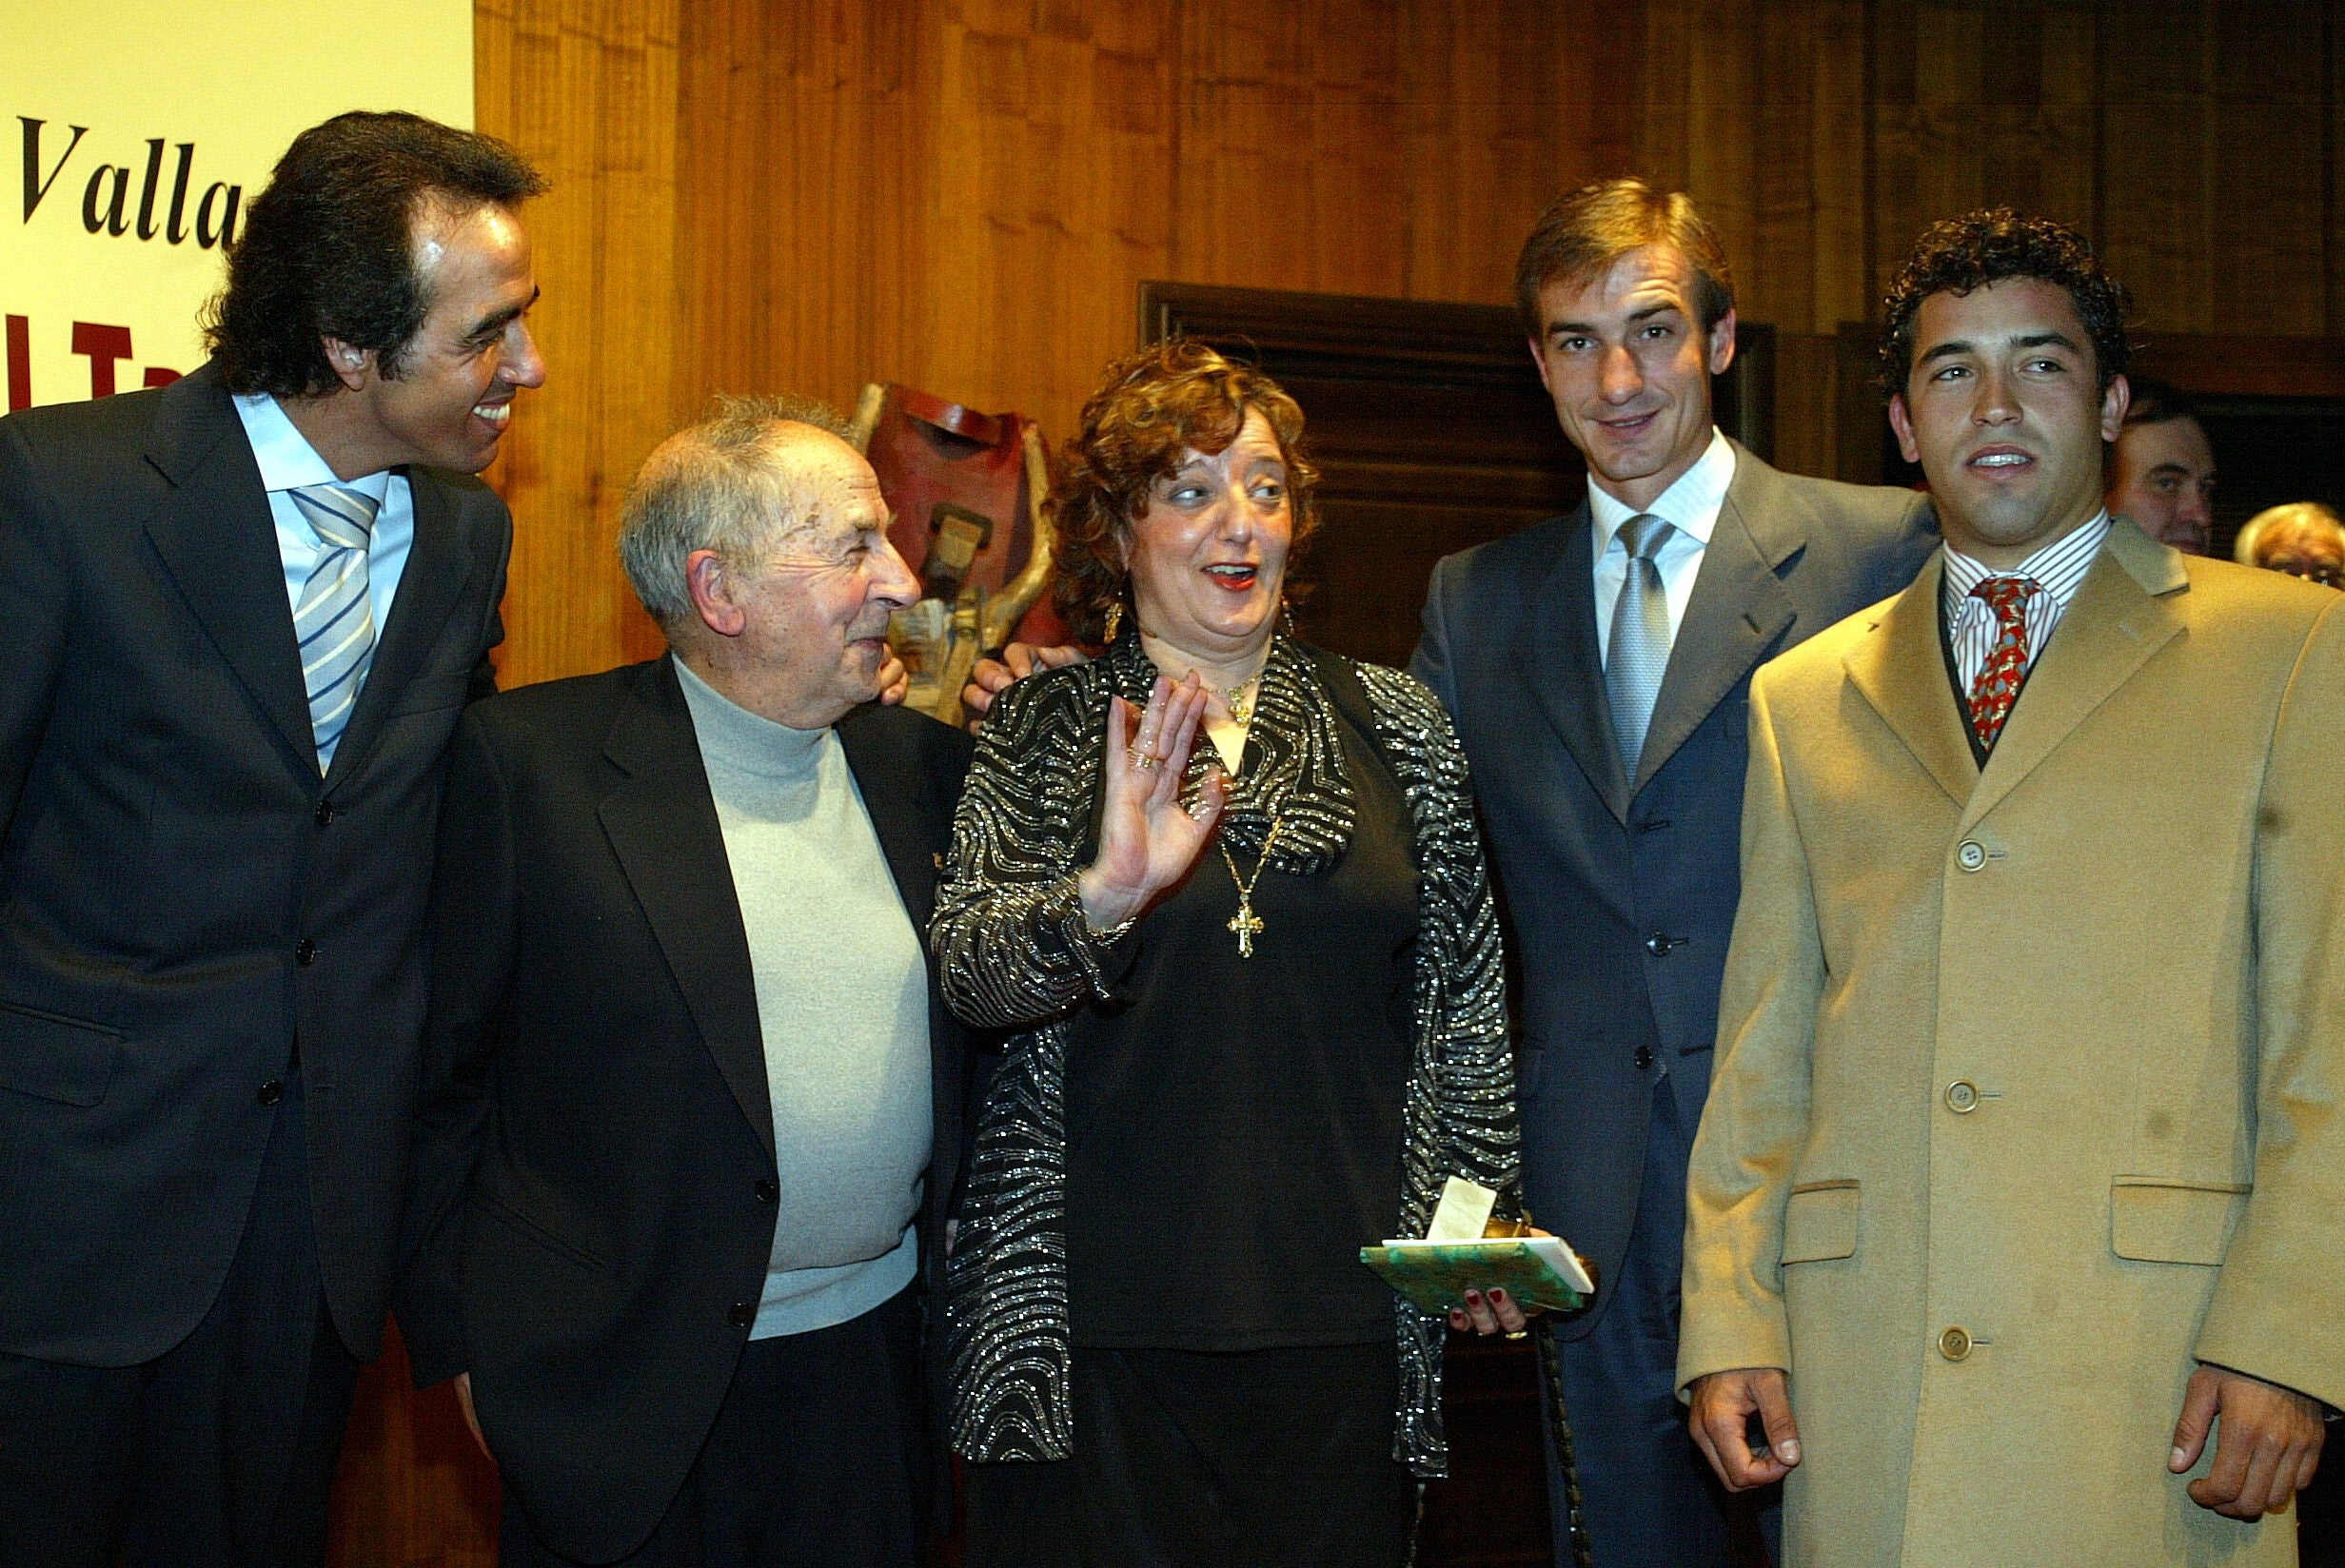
point(1619, 893)
point(181, 897)
point(596, 1150)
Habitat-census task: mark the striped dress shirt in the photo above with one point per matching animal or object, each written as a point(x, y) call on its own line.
point(2058, 569)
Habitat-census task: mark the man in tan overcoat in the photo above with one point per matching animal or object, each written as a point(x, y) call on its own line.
point(2016, 1234)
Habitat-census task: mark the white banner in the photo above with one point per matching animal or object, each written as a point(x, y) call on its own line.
point(145, 128)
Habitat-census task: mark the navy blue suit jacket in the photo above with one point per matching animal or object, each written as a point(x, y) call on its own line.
point(183, 900)
point(1619, 893)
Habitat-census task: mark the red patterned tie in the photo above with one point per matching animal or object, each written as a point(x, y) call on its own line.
point(2005, 667)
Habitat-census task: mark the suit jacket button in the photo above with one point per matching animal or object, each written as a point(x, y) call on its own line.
point(1643, 1057)
point(305, 951)
point(742, 1315)
point(1658, 944)
point(271, 1092)
point(1954, 1344)
point(325, 814)
point(769, 1192)
point(1971, 856)
point(1962, 1097)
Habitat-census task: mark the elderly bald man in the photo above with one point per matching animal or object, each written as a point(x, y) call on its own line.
point(692, 1104)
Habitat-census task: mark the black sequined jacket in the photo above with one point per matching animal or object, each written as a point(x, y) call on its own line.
point(1015, 953)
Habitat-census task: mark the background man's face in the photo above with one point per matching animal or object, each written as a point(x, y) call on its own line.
point(1628, 365)
point(2164, 480)
point(2004, 412)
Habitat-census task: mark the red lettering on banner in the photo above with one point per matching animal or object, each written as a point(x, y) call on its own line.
point(20, 364)
point(104, 345)
point(158, 375)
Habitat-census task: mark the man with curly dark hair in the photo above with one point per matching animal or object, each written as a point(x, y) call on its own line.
point(238, 619)
point(2002, 1199)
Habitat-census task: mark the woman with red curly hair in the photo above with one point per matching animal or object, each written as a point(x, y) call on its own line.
point(1226, 890)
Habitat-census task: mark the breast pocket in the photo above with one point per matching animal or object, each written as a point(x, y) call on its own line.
point(2158, 1220)
point(1820, 1222)
point(52, 1057)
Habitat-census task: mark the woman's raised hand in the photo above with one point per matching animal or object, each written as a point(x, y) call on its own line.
point(1147, 839)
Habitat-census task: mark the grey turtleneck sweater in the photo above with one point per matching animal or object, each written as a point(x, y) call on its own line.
point(843, 1003)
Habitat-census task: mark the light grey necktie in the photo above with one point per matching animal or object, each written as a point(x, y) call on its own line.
point(1639, 651)
point(335, 621)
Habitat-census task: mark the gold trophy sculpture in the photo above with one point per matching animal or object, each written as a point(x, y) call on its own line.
point(940, 638)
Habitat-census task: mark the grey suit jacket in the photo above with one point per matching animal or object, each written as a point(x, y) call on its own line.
point(1620, 893)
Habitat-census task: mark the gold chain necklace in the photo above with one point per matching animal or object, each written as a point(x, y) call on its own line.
point(1240, 704)
point(1246, 923)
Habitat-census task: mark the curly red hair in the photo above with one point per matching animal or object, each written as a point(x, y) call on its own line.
point(1169, 398)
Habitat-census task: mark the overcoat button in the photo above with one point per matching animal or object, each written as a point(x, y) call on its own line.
point(271, 1092)
point(1954, 1344)
point(1972, 855)
point(1961, 1096)
point(1643, 1057)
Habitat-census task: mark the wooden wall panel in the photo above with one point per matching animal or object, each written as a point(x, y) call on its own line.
point(2265, 244)
point(588, 89)
point(1498, 117)
point(1054, 136)
point(2157, 125)
point(1290, 169)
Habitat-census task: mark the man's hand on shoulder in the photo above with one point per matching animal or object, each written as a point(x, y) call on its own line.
point(1018, 661)
point(1722, 1405)
point(2267, 1442)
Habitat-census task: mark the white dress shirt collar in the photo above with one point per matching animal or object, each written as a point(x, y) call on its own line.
point(285, 457)
point(1690, 505)
point(2058, 570)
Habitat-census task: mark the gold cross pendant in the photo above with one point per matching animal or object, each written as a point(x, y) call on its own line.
point(1245, 922)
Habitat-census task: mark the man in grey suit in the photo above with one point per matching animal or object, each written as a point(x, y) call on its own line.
point(1597, 666)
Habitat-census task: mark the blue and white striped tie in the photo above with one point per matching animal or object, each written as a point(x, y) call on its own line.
point(335, 621)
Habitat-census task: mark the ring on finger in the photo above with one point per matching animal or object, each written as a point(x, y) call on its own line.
point(1144, 761)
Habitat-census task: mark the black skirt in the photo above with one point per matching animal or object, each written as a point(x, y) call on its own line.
point(1217, 1460)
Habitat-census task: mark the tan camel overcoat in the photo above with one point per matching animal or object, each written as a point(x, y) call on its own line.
point(2029, 1081)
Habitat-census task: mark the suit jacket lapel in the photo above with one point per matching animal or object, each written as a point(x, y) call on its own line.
point(1559, 659)
point(892, 798)
point(219, 545)
point(1737, 610)
point(1900, 669)
point(661, 824)
point(439, 561)
point(2119, 617)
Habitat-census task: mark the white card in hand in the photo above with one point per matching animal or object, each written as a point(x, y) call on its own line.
point(1465, 1211)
